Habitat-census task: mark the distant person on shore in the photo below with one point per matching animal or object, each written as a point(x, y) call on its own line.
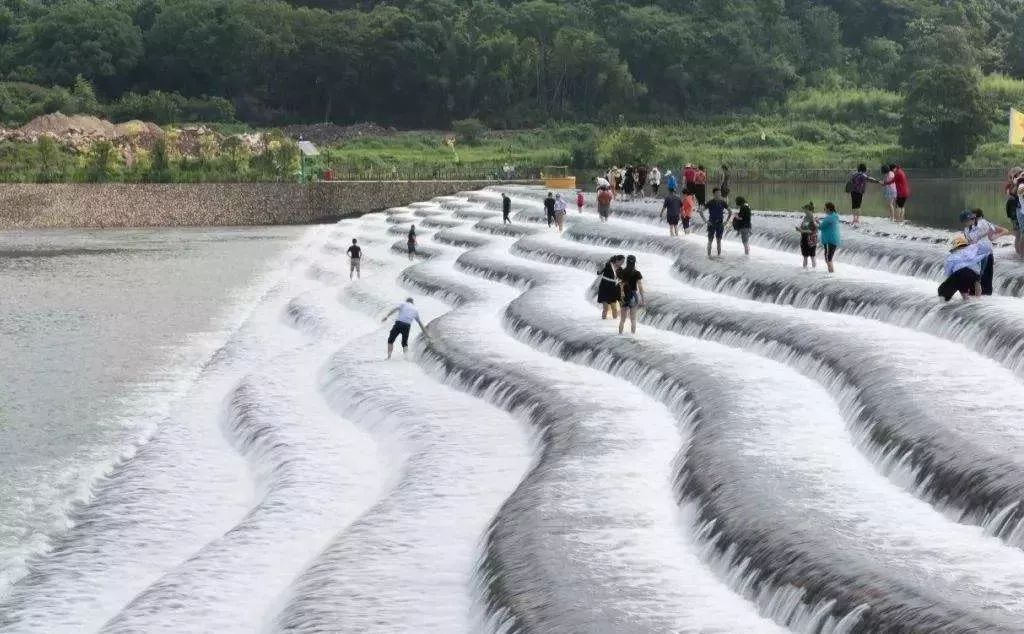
point(549, 209)
point(889, 190)
point(608, 292)
point(604, 203)
point(632, 285)
point(902, 192)
point(689, 205)
point(355, 254)
point(978, 230)
point(1013, 180)
point(672, 212)
point(963, 268)
point(700, 182)
point(742, 223)
point(411, 242)
point(560, 208)
point(808, 229)
point(856, 186)
point(407, 314)
point(715, 219)
point(1015, 211)
point(830, 240)
point(580, 201)
point(724, 186)
point(655, 180)
point(506, 209)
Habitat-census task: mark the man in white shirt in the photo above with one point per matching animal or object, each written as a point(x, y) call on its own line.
point(407, 313)
point(655, 177)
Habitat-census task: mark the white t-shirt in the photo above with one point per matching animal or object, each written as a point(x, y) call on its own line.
point(980, 232)
point(407, 313)
point(656, 176)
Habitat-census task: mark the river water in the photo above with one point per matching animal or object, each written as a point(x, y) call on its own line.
point(199, 431)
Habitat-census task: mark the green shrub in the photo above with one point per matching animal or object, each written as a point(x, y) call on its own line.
point(849, 106)
point(628, 145)
point(469, 131)
point(1000, 93)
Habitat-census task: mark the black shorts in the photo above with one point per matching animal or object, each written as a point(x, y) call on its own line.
point(673, 220)
point(701, 193)
point(716, 230)
point(962, 281)
point(830, 251)
point(412, 247)
point(400, 328)
point(856, 198)
point(901, 201)
point(686, 222)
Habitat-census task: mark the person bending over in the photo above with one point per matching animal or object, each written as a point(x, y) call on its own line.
point(407, 314)
point(963, 268)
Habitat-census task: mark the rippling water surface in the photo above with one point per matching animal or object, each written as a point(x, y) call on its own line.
point(201, 432)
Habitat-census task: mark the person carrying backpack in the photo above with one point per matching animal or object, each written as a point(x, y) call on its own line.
point(856, 185)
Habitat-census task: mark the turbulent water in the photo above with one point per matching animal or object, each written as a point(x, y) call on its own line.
point(775, 450)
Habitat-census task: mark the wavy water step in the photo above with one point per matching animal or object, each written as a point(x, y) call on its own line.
point(993, 327)
point(317, 472)
point(498, 228)
point(461, 238)
point(963, 458)
point(441, 222)
point(407, 564)
point(738, 423)
point(588, 521)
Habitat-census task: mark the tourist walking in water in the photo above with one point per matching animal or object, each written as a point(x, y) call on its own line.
point(655, 180)
point(632, 285)
point(411, 243)
point(741, 222)
point(672, 212)
point(604, 203)
point(689, 205)
point(670, 180)
point(978, 230)
point(856, 186)
point(700, 183)
point(963, 268)
point(808, 229)
point(407, 314)
point(724, 186)
point(608, 291)
point(355, 255)
point(560, 208)
point(580, 201)
point(830, 235)
point(889, 190)
point(690, 178)
point(549, 209)
point(715, 219)
point(902, 192)
point(506, 208)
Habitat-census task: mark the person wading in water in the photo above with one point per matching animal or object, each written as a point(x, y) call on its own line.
point(411, 243)
point(407, 314)
point(715, 219)
point(608, 293)
point(963, 268)
point(672, 211)
point(631, 282)
point(355, 255)
point(506, 208)
point(549, 208)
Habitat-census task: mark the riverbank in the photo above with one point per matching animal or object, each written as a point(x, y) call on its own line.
point(32, 206)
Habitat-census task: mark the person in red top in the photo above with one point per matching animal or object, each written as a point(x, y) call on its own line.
point(700, 186)
point(689, 174)
point(580, 201)
point(902, 192)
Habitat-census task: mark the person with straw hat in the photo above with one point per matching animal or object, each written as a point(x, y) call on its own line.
point(963, 268)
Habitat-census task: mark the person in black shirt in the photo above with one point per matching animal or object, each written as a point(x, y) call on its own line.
point(716, 219)
point(412, 242)
point(355, 254)
point(672, 211)
point(549, 208)
point(608, 291)
point(631, 283)
point(741, 222)
point(506, 208)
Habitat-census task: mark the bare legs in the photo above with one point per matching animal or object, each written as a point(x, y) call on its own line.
point(892, 210)
point(631, 313)
point(613, 307)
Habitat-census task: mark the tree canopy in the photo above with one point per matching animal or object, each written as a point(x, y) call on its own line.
point(509, 63)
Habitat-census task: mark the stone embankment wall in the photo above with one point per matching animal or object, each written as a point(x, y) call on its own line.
point(25, 206)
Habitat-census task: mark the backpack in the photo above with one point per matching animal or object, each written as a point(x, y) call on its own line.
point(849, 184)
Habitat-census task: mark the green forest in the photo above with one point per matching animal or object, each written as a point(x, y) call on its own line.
point(818, 82)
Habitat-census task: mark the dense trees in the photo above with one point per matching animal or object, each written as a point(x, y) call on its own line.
point(424, 63)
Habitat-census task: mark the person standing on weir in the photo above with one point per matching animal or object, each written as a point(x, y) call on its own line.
point(715, 219)
point(549, 208)
point(506, 208)
point(355, 254)
point(407, 314)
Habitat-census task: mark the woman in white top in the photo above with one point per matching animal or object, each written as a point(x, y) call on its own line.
point(889, 190)
point(978, 230)
point(560, 212)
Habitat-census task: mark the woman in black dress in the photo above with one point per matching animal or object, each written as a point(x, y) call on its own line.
point(608, 287)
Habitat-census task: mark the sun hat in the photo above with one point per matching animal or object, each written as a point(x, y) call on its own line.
point(959, 242)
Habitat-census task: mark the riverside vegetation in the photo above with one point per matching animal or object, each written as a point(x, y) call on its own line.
point(760, 84)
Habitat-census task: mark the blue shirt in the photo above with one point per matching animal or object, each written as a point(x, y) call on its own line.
point(969, 257)
point(716, 211)
point(830, 229)
point(671, 182)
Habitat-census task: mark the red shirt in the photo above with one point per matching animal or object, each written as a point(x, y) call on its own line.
point(902, 185)
point(579, 199)
point(688, 174)
point(700, 177)
point(604, 197)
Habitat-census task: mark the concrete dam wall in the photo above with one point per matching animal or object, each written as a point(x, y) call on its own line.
point(33, 206)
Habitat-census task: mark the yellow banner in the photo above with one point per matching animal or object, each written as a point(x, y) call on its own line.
point(1016, 127)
